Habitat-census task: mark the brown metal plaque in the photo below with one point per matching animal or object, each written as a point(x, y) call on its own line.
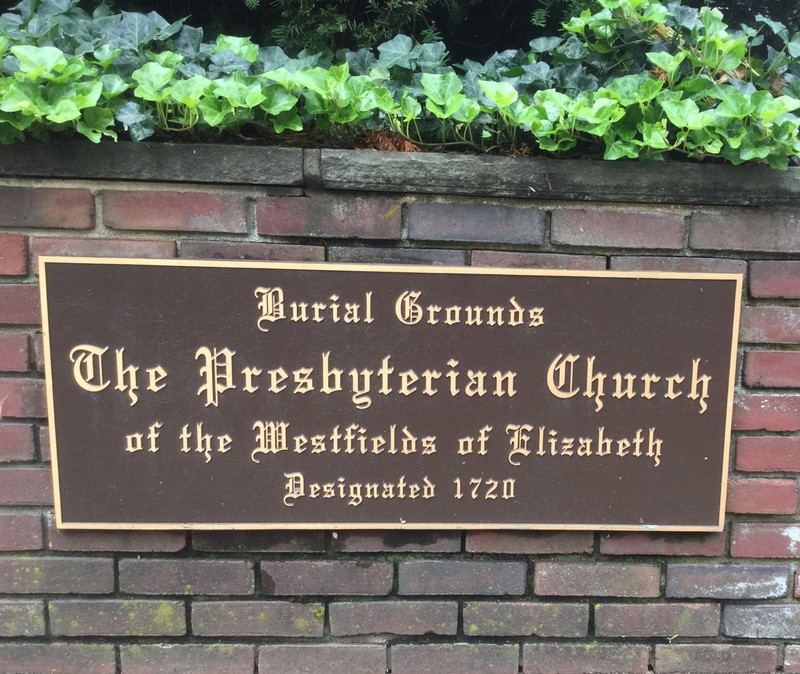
point(198, 395)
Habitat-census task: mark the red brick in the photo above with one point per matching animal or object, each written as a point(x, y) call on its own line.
point(186, 576)
point(585, 658)
point(117, 618)
point(455, 658)
point(187, 658)
point(475, 221)
point(393, 617)
point(326, 578)
point(396, 541)
point(330, 215)
point(766, 413)
point(13, 255)
point(56, 658)
point(765, 230)
point(763, 454)
point(715, 659)
point(68, 247)
point(21, 618)
point(327, 658)
point(766, 539)
point(462, 577)
point(690, 265)
point(759, 496)
point(663, 545)
point(13, 352)
point(175, 211)
point(506, 258)
point(525, 618)
point(259, 541)
point(656, 620)
point(113, 541)
point(531, 542)
point(20, 304)
point(772, 369)
point(226, 250)
point(44, 443)
point(574, 579)
point(26, 486)
point(22, 398)
point(16, 442)
point(772, 621)
point(21, 532)
point(56, 575)
point(46, 208)
point(727, 581)
point(369, 254)
point(776, 278)
point(770, 325)
point(257, 619)
point(617, 229)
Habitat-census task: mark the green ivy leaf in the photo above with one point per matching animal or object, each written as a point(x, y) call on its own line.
point(36, 62)
point(399, 51)
point(97, 122)
point(189, 92)
point(501, 94)
point(277, 99)
point(152, 78)
point(441, 89)
point(64, 110)
point(241, 46)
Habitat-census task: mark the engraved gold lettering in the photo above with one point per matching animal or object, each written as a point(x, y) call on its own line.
point(216, 371)
point(87, 367)
point(270, 305)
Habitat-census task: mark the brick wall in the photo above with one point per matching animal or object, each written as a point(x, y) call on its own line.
point(372, 602)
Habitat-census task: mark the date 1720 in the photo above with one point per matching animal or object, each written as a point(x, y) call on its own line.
point(477, 488)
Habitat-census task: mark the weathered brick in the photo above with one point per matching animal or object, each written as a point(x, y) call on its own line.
point(762, 622)
point(617, 229)
point(57, 658)
point(38, 351)
point(525, 618)
point(768, 454)
point(56, 575)
point(573, 579)
point(21, 532)
point(240, 250)
point(44, 443)
point(26, 486)
point(775, 278)
point(715, 659)
point(187, 659)
point(257, 619)
point(586, 658)
point(175, 211)
point(259, 541)
point(760, 496)
point(772, 369)
point(397, 541)
point(458, 221)
point(326, 578)
point(117, 618)
point(506, 258)
point(667, 544)
point(186, 576)
point(330, 215)
point(22, 398)
point(765, 539)
point(13, 255)
point(21, 618)
point(766, 413)
point(113, 541)
point(727, 581)
point(435, 256)
point(531, 542)
point(770, 325)
point(765, 230)
point(327, 658)
point(16, 442)
point(69, 247)
point(690, 265)
point(791, 660)
point(457, 658)
point(13, 352)
point(46, 208)
point(393, 617)
point(656, 620)
point(20, 304)
point(462, 577)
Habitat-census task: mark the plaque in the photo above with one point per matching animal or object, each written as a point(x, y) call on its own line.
point(227, 395)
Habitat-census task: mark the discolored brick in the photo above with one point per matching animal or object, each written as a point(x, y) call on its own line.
point(768, 454)
point(684, 265)
point(760, 496)
point(13, 255)
point(600, 579)
point(715, 659)
point(56, 575)
point(666, 544)
point(531, 542)
point(508, 258)
point(117, 618)
point(113, 541)
point(765, 539)
point(727, 581)
point(186, 576)
point(432, 256)
point(397, 541)
point(762, 622)
point(257, 619)
point(526, 618)
point(22, 398)
point(654, 620)
point(326, 578)
point(21, 532)
point(26, 486)
point(585, 658)
point(393, 617)
point(47, 208)
point(58, 658)
point(327, 658)
point(772, 369)
point(259, 541)
point(767, 230)
point(187, 659)
point(462, 577)
point(16, 442)
point(766, 413)
point(69, 247)
point(21, 618)
point(617, 229)
point(249, 250)
point(770, 325)
point(459, 658)
point(20, 304)
point(775, 278)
